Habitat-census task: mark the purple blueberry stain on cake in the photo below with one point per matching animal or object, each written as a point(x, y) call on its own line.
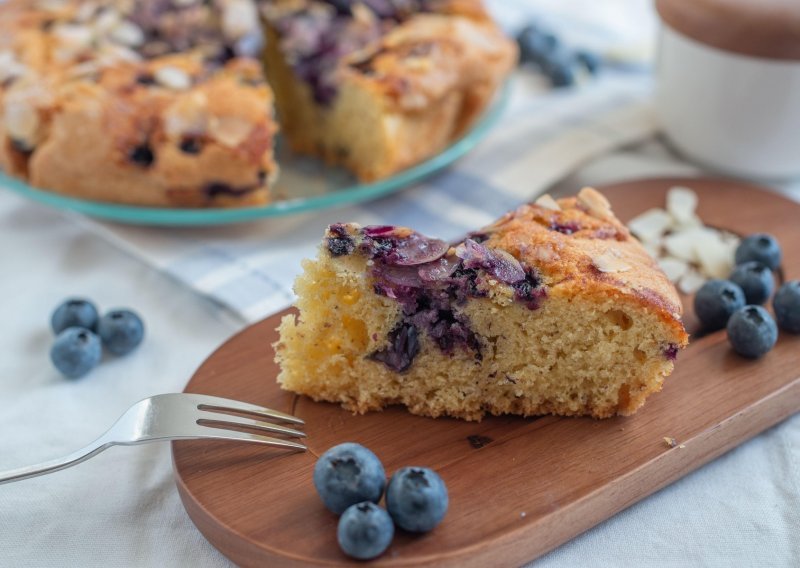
point(496, 262)
point(402, 349)
point(142, 155)
point(670, 351)
point(402, 247)
point(566, 228)
point(430, 280)
point(339, 242)
point(217, 188)
point(315, 36)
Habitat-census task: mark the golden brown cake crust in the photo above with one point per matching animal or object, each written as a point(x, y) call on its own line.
point(578, 244)
point(85, 113)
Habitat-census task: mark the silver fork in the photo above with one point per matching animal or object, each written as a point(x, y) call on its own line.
point(177, 416)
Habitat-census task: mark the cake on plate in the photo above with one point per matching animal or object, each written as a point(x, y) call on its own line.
point(553, 309)
point(166, 102)
point(380, 85)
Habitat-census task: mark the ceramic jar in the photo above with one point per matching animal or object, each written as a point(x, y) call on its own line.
point(728, 84)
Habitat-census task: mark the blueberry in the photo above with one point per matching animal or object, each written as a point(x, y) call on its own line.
point(756, 281)
point(535, 44)
point(416, 499)
point(752, 331)
point(716, 301)
point(121, 331)
point(142, 155)
point(589, 59)
point(74, 312)
point(762, 248)
point(787, 306)
point(348, 474)
point(559, 67)
point(561, 74)
point(76, 351)
point(365, 531)
point(403, 348)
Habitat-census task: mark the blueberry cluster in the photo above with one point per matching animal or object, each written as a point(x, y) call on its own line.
point(540, 47)
point(81, 334)
point(735, 304)
point(351, 480)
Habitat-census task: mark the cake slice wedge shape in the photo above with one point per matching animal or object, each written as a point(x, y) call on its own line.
point(553, 309)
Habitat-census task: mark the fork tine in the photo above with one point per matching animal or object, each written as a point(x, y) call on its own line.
point(228, 419)
point(206, 402)
point(237, 435)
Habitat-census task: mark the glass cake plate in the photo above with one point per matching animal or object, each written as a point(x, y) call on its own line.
point(305, 184)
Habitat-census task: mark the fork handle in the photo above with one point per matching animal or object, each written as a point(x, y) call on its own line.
point(55, 465)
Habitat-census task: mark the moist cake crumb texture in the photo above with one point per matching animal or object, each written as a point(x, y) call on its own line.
point(522, 317)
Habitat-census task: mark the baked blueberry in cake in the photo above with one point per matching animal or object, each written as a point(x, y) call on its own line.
point(378, 85)
point(553, 309)
point(166, 103)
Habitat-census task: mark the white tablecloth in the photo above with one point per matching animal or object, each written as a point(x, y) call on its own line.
point(121, 508)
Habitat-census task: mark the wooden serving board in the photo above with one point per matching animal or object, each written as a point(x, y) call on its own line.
point(518, 487)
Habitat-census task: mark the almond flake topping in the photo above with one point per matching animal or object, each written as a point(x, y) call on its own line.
point(596, 203)
point(547, 202)
point(173, 78)
point(610, 262)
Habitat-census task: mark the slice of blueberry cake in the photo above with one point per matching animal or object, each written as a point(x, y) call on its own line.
point(553, 309)
point(378, 85)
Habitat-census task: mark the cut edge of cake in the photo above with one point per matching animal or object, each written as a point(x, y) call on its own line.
point(553, 309)
point(401, 100)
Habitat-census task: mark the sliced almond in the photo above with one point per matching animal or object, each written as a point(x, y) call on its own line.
point(547, 202)
point(22, 122)
point(682, 204)
point(596, 203)
point(691, 282)
point(105, 21)
point(188, 115)
point(173, 78)
point(673, 267)
point(9, 66)
point(230, 130)
point(651, 225)
point(239, 17)
point(715, 256)
point(610, 261)
point(128, 34)
point(681, 244)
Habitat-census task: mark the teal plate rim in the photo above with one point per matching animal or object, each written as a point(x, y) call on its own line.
point(136, 215)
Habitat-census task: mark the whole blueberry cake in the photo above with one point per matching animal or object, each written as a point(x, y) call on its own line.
point(553, 309)
point(166, 102)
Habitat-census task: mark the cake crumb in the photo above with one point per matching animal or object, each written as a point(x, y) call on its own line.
point(670, 442)
point(477, 441)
